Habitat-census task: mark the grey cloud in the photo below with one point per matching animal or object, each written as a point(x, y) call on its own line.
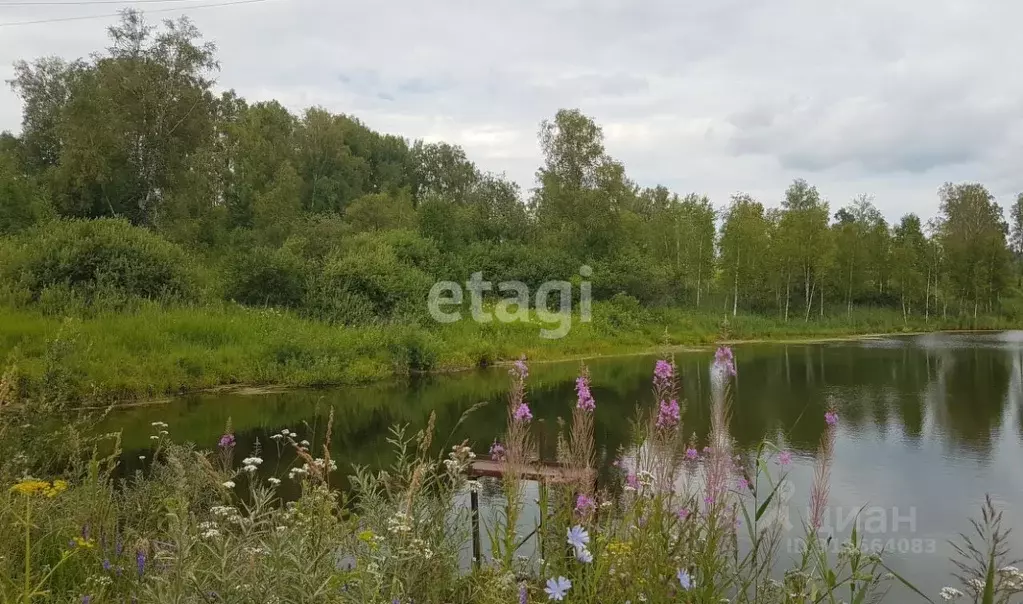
point(875, 97)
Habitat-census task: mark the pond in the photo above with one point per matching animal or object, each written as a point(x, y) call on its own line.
point(928, 425)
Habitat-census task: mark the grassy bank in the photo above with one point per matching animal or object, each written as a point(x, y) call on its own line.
point(154, 351)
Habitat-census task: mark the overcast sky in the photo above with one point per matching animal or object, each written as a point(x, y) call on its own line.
point(717, 96)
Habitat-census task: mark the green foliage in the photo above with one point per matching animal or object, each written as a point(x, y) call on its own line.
point(95, 258)
point(264, 276)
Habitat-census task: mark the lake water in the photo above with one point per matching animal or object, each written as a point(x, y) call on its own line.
point(928, 425)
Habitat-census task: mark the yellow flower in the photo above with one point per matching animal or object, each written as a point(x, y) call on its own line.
point(366, 535)
point(84, 543)
point(31, 486)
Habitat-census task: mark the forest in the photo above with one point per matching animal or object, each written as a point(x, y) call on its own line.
point(137, 183)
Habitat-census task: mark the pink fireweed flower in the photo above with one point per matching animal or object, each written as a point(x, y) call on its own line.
point(585, 397)
point(724, 360)
point(584, 504)
point(692, 453)
point(742, 484)
point(226, 441)
point(785, 458)
point(631, 481)
point(709, 500)
point(831, 417)
point(520, 369)
point(522, 413)
point(663, 372)
point(683, 513)
point(668, 415)
point(497, 452)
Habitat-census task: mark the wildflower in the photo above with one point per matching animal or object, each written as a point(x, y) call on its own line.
point(158, 424)
point(668, 415)
point(106, 564)
point(252, 461)
point(497, 452)
point(276, 436)
point(474, 486)
point(83, 543)
point(274, 481)
point(950, 593)
point(86, 599)
point(154, 437)
point(585, 397)
point(683, 513)
point(831, 417)
point(522, 413)
point(304, 443)
point(684, 579)
point(692, 453)
point(631, 481)
point(250, 468)
point(663, 372)
point(709, 500)
point(584, 504)
point(523, 595)
point(228, 484)
point(140, 562)
point(226, 441)
point(520, 369)
point(142, 457)
point(578, 537)
point(724, 361)
point(742, 484)
point(785, 458)
point(557, 588)
point(583, 555)
point(210, 533)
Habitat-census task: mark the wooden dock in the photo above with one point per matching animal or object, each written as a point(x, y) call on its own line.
point(543, 472)
point(549, 472)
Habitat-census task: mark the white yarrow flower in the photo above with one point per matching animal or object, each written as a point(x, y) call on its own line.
point(950, 593)
point(228, 484)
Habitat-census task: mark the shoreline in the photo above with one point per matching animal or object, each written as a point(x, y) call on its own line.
point(257, 390)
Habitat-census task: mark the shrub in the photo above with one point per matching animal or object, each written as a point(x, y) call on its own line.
point(93, 258)
point(266, 276)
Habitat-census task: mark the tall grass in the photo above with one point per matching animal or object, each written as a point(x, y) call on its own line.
point(154, 350)
point(683, 522)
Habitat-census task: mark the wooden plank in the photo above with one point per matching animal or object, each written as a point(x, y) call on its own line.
point(546, 472)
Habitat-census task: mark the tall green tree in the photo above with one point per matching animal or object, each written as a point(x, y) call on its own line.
point(1016, 235)
point(745, 248)
point(974, 239)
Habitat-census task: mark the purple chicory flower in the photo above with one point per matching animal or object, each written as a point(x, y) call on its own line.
point(557, 588)
point(785, 458)
point(683, 513)
point(831, 417)
point(522, 413)
point(106, 564)
point(669, 415)
point(226, 441)
point(585, 397)
point(692, 453)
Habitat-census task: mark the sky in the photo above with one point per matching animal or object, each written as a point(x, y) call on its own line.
point(889, 99)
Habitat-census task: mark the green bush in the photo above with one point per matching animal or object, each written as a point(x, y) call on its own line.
point(266, 276)
point(97, 260)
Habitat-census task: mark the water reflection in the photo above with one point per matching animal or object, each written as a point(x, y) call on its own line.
point(928, 423)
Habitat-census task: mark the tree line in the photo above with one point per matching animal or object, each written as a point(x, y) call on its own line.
point(319, 213)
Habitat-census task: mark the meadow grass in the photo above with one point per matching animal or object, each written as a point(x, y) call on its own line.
point(154, 350)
